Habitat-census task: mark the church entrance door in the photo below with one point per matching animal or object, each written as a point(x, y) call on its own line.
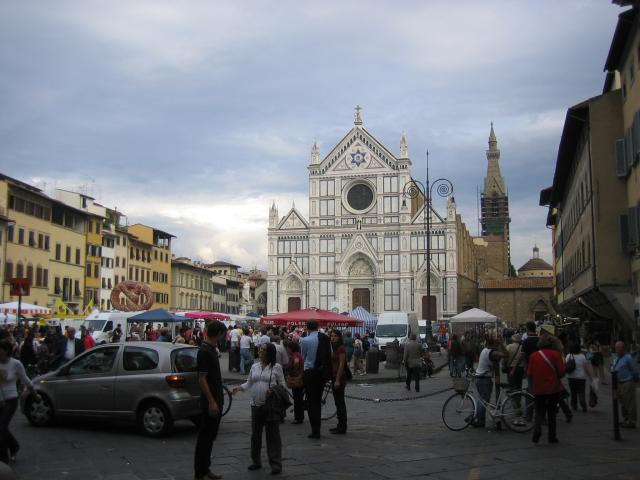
point(429, 308)
point(293, 303)
point(361, 297)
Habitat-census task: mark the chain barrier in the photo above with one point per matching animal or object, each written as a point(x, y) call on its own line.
point(403, 399)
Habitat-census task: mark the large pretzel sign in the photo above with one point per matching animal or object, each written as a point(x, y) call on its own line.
point(130, 296)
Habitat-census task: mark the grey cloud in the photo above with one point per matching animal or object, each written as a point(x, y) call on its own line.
point(179, 103)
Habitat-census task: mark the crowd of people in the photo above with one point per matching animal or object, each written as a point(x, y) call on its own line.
point(560, 373)
point(304, 360)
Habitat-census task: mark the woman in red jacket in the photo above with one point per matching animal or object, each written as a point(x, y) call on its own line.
point(546, 367)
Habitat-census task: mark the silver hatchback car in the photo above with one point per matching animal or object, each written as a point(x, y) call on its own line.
point(153, 383)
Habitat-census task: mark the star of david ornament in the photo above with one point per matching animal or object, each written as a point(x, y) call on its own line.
point(358, 158)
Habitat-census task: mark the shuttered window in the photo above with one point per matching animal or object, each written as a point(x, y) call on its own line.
point(621, 161)
point(632, 228)
point(635, 136)
point(624, 234)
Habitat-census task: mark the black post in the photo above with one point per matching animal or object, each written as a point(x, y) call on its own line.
point(19, 308)
point(614, 397)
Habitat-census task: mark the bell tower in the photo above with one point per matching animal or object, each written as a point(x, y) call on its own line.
point(494, 201)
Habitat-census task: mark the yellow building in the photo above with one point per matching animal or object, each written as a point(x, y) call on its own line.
point(93, 249)
point(28, 242)
point(623, 72)
point(191, 285)
point(156, 246)
point(94, 255)
point(68, 255)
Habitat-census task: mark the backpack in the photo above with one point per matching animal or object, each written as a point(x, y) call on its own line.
point(571, 365)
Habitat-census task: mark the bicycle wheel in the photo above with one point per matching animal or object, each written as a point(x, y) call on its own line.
point(458, 411)
point(327, 405)
point(227, 401)
point(517, 411)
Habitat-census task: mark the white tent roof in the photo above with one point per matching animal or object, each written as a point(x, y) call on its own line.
point(475, 315)
point(25, 308)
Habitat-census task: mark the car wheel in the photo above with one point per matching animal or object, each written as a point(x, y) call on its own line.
point(39, 413)
point(154, 419)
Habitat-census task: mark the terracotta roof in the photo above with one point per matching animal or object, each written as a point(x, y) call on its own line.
point(535, 264)
point(515, 283)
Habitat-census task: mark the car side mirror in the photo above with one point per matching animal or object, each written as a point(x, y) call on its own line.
point(63, 372)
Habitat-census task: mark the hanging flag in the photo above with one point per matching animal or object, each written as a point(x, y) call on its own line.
point(89, 308)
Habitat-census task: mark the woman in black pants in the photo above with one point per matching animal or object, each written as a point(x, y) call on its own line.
point(339, 371)
point(263, 375)
point(11, 370)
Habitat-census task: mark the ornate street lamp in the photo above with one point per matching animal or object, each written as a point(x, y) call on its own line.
point(414, 189)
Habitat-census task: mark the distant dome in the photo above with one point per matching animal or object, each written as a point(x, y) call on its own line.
point(535, 264)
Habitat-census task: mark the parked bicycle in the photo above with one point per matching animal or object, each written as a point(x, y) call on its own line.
point(514, 408)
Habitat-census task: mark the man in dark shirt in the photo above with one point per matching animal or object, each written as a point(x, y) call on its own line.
point(211, 399)
point(529, 346)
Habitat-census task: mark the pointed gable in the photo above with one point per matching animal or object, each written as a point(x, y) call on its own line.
point(358, 150)
point(359, 245)
point(418, 218)
point(293, 221)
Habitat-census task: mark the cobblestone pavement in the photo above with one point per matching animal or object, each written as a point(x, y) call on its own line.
point(385, 440)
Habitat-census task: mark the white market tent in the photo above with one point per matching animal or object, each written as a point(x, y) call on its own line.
point(25, 309)
point(473, 319)
point(6, 318)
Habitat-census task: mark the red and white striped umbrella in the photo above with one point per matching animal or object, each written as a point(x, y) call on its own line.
point(25, 309)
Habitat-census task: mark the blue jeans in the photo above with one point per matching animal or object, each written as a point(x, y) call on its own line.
point(246, 360)
point(485, 387)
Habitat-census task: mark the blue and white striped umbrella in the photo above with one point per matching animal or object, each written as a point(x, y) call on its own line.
point(370, 320)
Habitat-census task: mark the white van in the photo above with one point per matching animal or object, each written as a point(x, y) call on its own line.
point(423, 330)
point(103, 324)
point(392, 325)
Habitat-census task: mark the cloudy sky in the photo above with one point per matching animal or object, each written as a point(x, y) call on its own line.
point(193, 116)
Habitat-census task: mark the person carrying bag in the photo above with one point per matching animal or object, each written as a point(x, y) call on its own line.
point(265, 382)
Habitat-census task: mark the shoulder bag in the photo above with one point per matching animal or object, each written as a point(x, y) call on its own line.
point(277, 403)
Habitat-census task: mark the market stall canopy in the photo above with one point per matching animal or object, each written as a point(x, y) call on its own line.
point(370, 321)
point(157, 315)
point(25, 309)
point(204, 315)
point(475, 315)
point(7, 318)
point(325, 318)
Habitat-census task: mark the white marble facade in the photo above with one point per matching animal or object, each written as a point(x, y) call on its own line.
point(361, 244)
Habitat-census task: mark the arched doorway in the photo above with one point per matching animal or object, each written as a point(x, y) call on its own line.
point(293, 303)
point(361, 276)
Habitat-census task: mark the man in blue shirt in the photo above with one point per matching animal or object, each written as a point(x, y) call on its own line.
point(625, 367)
point(316, 351)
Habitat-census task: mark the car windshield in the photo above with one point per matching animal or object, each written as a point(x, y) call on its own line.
point(95, 325)
point(394, 330)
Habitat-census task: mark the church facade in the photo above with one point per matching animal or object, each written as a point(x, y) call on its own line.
point(364, 243)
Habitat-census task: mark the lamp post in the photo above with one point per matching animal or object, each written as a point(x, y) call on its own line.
point(413, 189)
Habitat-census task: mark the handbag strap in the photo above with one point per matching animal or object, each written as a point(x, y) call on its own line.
point(546, 359)
point(514, 355)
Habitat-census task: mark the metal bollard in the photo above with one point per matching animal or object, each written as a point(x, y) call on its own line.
point(614, 397)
